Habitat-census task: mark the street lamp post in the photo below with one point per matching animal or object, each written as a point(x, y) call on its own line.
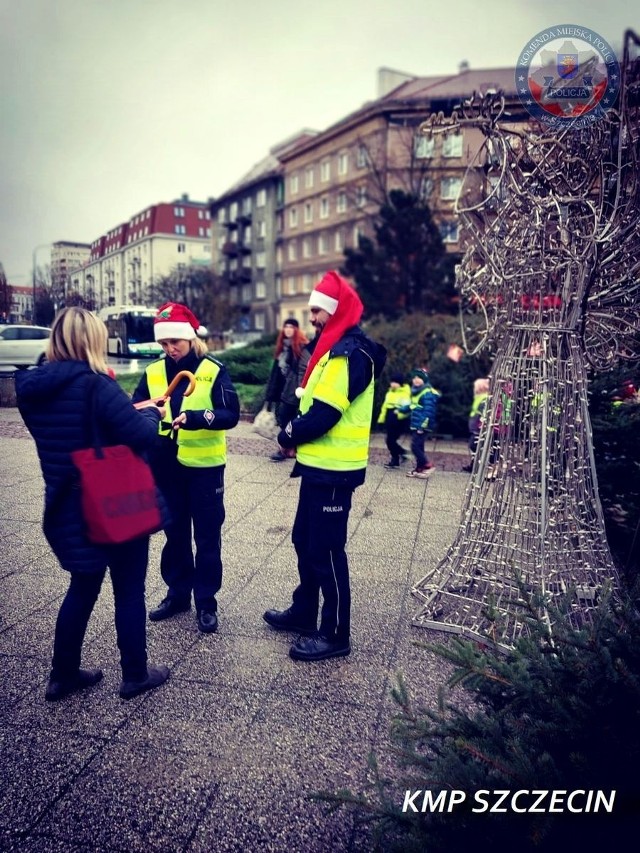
point(34, 256)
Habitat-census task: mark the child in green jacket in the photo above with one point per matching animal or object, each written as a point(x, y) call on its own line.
point(395, 421)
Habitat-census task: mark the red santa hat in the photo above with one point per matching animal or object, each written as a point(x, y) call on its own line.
point(175, 321)
point(338, 298)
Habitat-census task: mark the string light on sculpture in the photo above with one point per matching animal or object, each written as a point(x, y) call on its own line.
point(553, 267)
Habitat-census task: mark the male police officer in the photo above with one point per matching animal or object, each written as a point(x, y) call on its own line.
point(331, 441)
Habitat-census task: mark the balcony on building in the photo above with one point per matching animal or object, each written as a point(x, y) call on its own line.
point(230, 248)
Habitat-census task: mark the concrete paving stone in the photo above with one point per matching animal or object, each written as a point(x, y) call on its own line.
point(21, 676)
point(247, 663)
point(134, 800)
point(193, 717)
point(358, 679)
point(299, 750)
point(36, 770)
point(225, 755)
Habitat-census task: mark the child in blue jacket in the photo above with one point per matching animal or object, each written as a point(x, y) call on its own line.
point(422, 409)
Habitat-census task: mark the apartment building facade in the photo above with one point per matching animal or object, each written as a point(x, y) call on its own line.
point(335, 182)
point(126, 261)
point(247, 226)
point(66, 256)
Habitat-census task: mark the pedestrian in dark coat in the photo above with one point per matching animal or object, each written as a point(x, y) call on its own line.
point(283, 379)
point(53, 403)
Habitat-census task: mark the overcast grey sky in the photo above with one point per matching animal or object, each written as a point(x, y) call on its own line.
point(111, 105)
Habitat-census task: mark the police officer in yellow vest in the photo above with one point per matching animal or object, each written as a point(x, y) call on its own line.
point(331, 441)
point(188, 462)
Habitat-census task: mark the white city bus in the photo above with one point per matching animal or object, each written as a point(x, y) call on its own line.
point(130, 330)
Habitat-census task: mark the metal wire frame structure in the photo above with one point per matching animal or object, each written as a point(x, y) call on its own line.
point(553, 264)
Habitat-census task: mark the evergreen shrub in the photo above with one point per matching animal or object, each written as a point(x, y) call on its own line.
point(558, 713)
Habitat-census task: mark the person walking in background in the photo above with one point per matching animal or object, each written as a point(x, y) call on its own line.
point(283, 379)
point(422, 409)
point(188, 461)
point(476, 416)
point(330, 437)
point(53, 403)
point(394, 416)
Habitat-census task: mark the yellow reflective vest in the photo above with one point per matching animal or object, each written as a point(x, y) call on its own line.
point(346, 446)
point(394, 399)
point(197, 448)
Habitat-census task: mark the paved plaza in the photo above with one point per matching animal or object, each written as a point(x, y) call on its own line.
point(225, 756)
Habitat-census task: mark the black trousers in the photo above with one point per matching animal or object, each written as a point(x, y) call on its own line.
point(128, 567)
point(394, 429)
point(319, 537)
point(195, 499)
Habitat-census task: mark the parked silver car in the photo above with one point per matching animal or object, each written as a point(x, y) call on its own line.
point(23, 346)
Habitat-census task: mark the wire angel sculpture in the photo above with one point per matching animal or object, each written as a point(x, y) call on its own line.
point(553, 263)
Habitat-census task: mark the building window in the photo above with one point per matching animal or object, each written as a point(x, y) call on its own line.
point(308, 212)
point(449, 231)
point(324, 207)
point(307, 283)
point(247, 292)
point(292, 251)
point(423, 147)
point(357, 233)
point(338, 241)
point(178, 211)
point(426, 188)
point(290, 285)
point(261, 290)
point(293, 217)
point(180, 229)
point(362, 157)
point(246, 235)
point(246, 205)
point(261, 260)
point(200, 231)
point(233, 211)
point(308, 177)
point(361, 196)
point(341, 202)
point(323, 244)
point(200, 214)
point(258, 321)
point(261, 198)
point(262, 229)
point(325, 171)
point(182, 247)
point(452, 145)
point(343, 163)
point(306, 247)
point(293, 184)
point(222, 215)
point(450, 188)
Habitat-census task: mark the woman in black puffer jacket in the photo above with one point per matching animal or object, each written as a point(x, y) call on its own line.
point(53, 403)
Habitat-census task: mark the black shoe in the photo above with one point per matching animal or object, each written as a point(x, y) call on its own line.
point(277, 457)
point(318, 647)
point(467, 468)
point(285, 620)
point(57, 690)
point(207, 621)
point(169, 606)
point(156, 675)
point(392, 464)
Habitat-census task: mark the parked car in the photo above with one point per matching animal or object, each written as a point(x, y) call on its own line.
point(23, 346)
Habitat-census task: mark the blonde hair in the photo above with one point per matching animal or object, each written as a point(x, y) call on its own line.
point(481, 386)
point(78, 335)
point(199, 347)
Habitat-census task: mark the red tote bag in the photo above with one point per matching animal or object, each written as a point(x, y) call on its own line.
point(120, 500)
point(118, 494)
